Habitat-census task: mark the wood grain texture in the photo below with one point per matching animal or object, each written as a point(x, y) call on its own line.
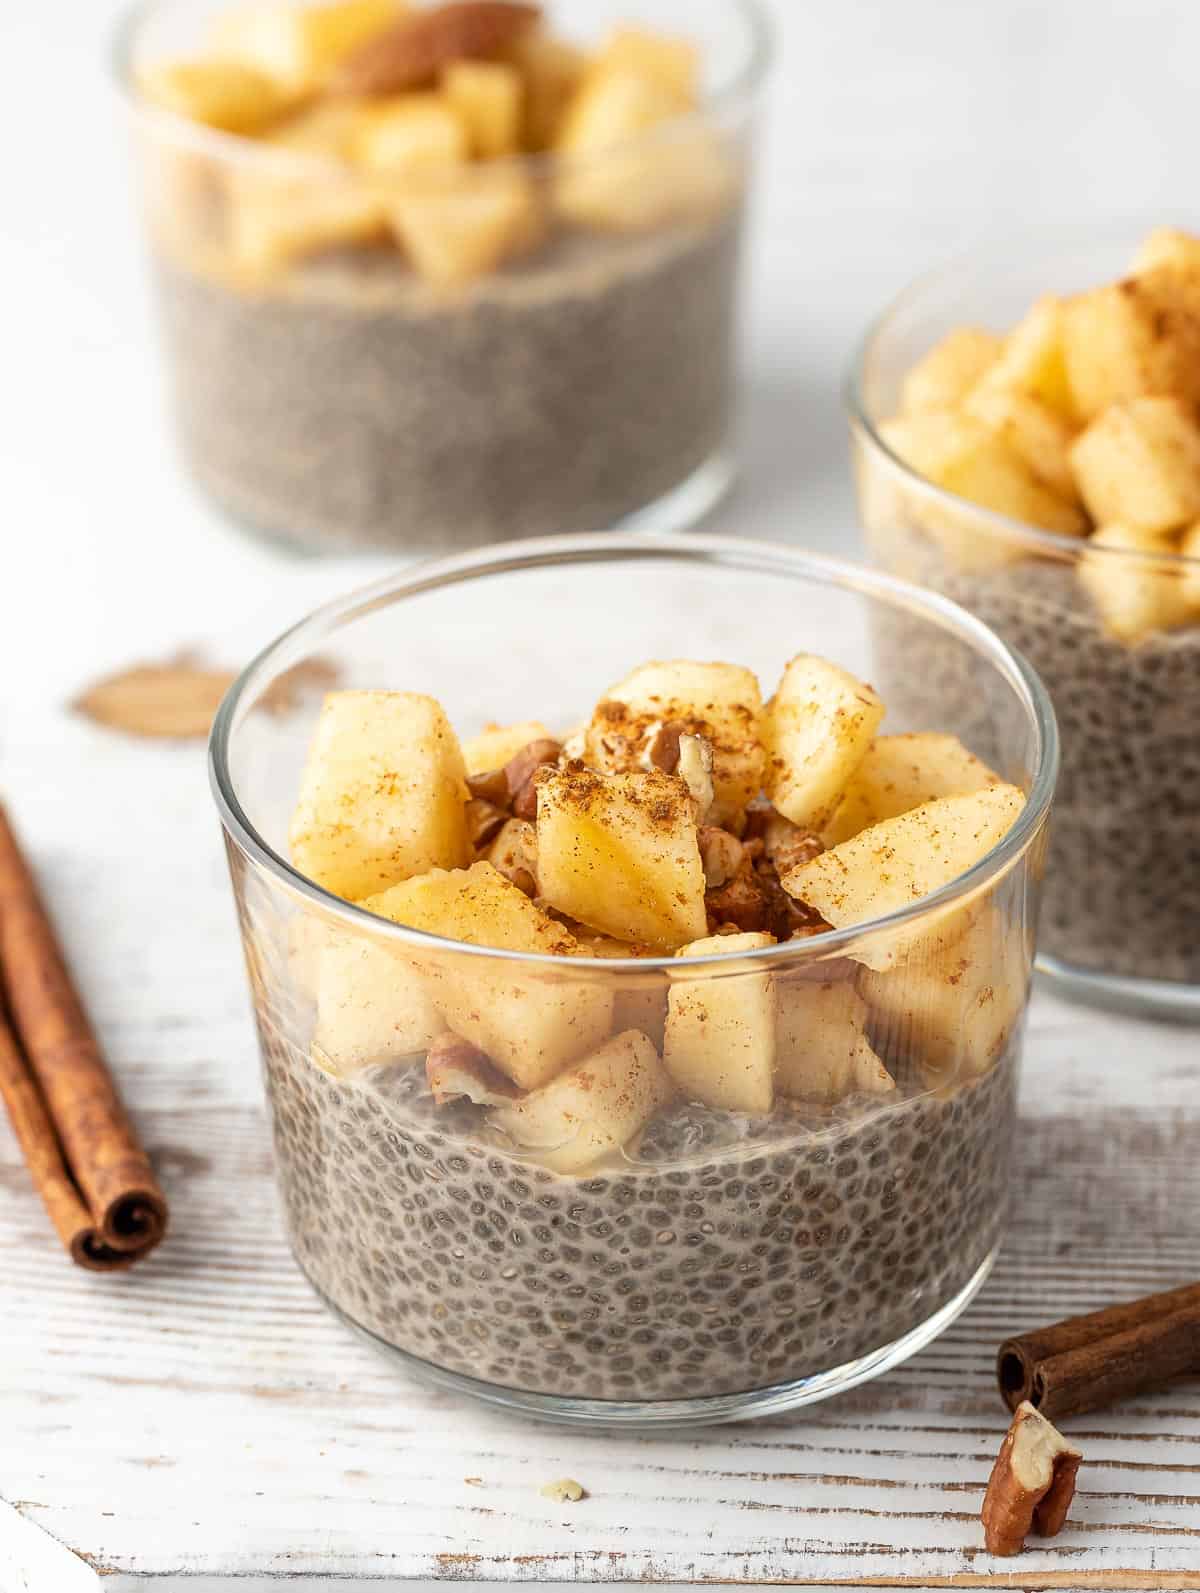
point(203, 1424)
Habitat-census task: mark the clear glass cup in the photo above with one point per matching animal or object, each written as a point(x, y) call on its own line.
point(1121, 912)
point(571, 367)
point(722, 1264)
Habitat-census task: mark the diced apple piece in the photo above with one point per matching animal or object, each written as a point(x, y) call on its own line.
point(414, 132)
point(224, 94)
point(944, 376)
point(673, 63)
point(592, 1110)
point(900, 773)
point(1033, 431)
point(898, 861)
point(1167, 246)
point(383, 793)
point(486, 96)
point(1131, 339)
point(1033, 360)
point(620, 852)
point(328, 128)
point(461, 230)
point(493, 747)
point(1139, 464)
point(821, 1051)
point(531, 1023)
point(552, 71)
point(639, 1000)
point(298, 45)
point(613, 106)
point(371, 1006)
point(720, 702)
point(952, 1008)
point(1189, 548)
point(816, 731)
point(685, 175)
point(720, 1039)
point(963, 456)
point(275, 220)
point(1136, 582)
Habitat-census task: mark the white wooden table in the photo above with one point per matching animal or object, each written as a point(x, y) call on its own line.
point(201, 1424)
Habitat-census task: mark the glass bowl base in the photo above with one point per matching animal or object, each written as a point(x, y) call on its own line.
point(679, 1413)
point(1145, 998)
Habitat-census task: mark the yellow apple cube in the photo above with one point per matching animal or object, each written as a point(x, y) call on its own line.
point(900, 773)
point(952, 1008)
point(1139, 464)
point(460, 231)
point(551, 71)
point(620, 853)
point(671, 62)
point(1189, 548)
point(1131, 339)
point(721, 702)
point(486, 96)
point(277, 220)
point(412, 133)
point(299, 45)
point(816, 731)
point(1136, 582)
point(531, 1023)
point(371, 1006)
point(965, 457)
point(383, 793)
point(720, 1037)
point(898, 861)
point(594, 1109)
point(1167, 246)
point(227, 95)
point(493, 747)
point(1034, 360)
point(1033, 431)
point(686, 175)
point(822, 1052)
point(944, 376)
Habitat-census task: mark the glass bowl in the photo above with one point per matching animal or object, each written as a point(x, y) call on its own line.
point(723, 1264)
point(1121, 912)
point(551, 347)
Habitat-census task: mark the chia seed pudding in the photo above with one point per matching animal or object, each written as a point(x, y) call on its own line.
point(1122, 891)
point(720, 1254)
point(436, 275)
point(358, 409)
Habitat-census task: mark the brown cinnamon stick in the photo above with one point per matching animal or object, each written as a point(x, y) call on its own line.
point(59, 1092)
point(1086, 1362)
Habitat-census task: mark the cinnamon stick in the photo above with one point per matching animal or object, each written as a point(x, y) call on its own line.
point(63, 1101)
point(40, 1148)
point(1086, 1362)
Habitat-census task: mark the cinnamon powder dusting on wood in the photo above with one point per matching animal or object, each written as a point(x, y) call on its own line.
point(177, 699)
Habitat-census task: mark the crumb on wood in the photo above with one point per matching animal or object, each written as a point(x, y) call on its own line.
point(566, 1488)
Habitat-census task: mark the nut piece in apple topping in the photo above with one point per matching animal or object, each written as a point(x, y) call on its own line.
point(1032, 1483)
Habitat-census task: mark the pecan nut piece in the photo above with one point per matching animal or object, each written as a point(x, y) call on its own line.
point(1032, 1483)
point(721, 855)
point(490, 787)
point(514, 854)
point(484, 821)
point(742, 900)
point(520, 770)
point(421, 43)
point(458, 1071)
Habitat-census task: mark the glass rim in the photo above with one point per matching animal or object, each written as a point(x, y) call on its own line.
point(739, 94)
point(603, 547)
point(864, 426)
